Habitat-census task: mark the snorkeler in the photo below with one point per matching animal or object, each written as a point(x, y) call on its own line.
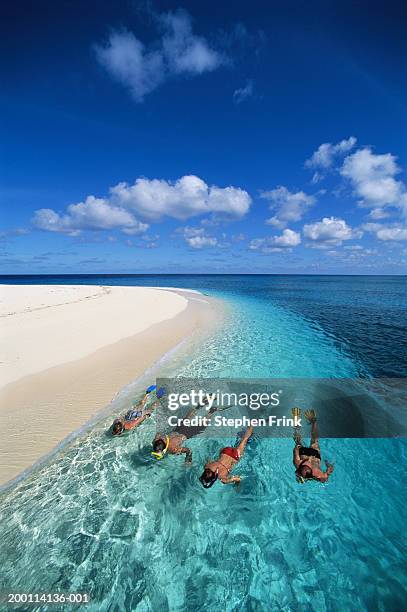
point(219, 469)
point(173, 442)
point(137, 414)
point(307, 460)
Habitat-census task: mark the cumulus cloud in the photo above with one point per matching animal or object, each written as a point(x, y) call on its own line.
point(149, 199)
point(373, 179)
point(395, 232)
point(326, 153)
point(331, 231)
point(392, 233)
point(197, 238)
point(178, 52)
point(92, 214)
point(274, 244)
point(187, 197)
point(289, 206)
point(243, 93)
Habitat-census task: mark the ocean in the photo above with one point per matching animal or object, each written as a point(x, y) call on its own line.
point(102, 517)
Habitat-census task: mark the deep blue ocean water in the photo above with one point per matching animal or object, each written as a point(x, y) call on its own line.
point(101, 516)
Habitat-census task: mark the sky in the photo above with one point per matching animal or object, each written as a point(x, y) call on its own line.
point(204, 137)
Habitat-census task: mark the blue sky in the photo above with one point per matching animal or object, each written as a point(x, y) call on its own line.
point(203, 137)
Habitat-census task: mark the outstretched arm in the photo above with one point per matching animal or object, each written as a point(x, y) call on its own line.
point(187, 452)
point(314, 433)
point(136, 422)
point(311, 417)
point(323, 476)
point(245, 440)
point(148, 412)
point(296, 455)
point(231, 480)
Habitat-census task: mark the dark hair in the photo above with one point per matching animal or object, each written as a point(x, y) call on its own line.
point(208, 478)
point(117, 428)
point(305, 471)
point(158, 445)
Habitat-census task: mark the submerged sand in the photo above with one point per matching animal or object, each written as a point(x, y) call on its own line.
point(66, 351)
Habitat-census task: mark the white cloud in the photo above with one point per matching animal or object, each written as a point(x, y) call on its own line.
point(187, 197)
point(371, 227)
point(183, 50)
point(241, 94)
point(324, 156)
point(330, 231)
point(150, 199)
point(373, 179)
point(197, 238)
point(145, 242)
point(378, 213)
point(92, 214)
point(178, 51)
point(317, 177)
point(392, 233)
point(274, 244)
point(197, 242)
point(127, 60)
point(387, 232)
point(288, 238)
point(289, 206)
point(354, 255)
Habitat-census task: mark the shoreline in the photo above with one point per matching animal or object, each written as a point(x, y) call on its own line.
point(44, 410)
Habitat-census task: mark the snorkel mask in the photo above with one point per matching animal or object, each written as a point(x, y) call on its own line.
point(117, 428)
point(160, 454)
point(301, 479)
point(207, 483)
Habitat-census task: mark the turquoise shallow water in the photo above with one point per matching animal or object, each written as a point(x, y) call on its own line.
point(137, 534)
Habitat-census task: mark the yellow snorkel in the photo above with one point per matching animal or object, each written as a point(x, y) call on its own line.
point(161, 454)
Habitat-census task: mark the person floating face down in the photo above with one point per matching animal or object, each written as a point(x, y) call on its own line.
point(173, 442)
point(219, 469)
point(307, 460)
point(134, 417)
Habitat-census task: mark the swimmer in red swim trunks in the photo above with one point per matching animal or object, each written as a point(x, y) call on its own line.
point(219, 469)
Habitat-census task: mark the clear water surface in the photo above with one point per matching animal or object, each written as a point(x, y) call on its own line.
point(102, 517)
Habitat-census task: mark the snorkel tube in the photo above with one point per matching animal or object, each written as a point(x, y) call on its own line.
point(301, 479)
point(160, 454)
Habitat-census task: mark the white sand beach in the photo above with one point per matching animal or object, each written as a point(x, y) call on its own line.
point(66, 350)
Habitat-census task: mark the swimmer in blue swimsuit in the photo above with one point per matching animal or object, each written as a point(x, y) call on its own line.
point(135, 416)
